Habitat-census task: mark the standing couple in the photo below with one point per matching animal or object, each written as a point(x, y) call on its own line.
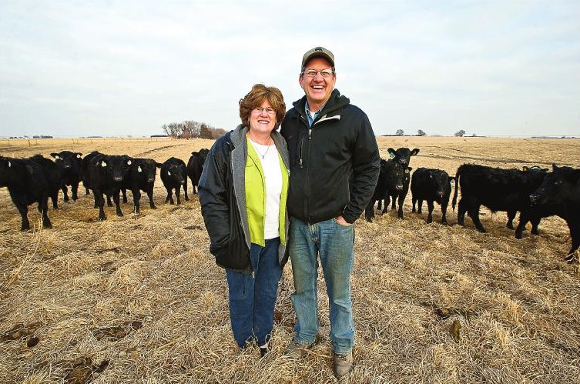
point(266, 195)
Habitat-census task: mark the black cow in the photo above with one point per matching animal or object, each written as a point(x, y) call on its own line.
point(53, 176)
point(561, 188)
point(141, 177)
point(402, 156)
point(174, 175)
point(26, 184)
point(431, 185)
point(106, 175)
point(195, 167)
point(393, 183)
point(70, 164)
point(498, 189)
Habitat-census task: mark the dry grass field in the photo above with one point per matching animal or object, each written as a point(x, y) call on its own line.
point(139, 299)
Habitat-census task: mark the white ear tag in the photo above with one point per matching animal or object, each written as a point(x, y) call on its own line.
point(129, 162)
point(139, 169)
point(57, 157)
point(103, 164)
point(9, 164)
point(168, 173)
point(78, 156)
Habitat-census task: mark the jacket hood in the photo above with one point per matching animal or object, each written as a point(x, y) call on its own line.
point(336, 101)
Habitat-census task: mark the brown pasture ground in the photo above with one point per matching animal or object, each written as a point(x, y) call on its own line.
point(139, 299)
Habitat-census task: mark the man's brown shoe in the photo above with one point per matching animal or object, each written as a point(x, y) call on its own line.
point(297, 350)
point(342, 364)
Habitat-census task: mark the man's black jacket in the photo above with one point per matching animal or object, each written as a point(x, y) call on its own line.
point(334, 165)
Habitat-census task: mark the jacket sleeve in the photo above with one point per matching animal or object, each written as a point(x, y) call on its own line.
point(365, 166)
point(213, 197)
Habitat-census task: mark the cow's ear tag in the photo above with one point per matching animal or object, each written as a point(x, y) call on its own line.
point(78, 156)
point(129, 162)
point(103, 164)
point(139, 169)
point(168, 173)
point(9, 164)
point(391, 155)
point(406, 171)
point(57, 157)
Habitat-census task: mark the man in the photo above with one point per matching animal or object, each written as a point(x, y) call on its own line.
point(334, 167)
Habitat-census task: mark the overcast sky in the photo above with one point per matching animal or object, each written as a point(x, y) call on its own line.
point(119, 68)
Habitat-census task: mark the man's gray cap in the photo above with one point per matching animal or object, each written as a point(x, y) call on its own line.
point(318, 52)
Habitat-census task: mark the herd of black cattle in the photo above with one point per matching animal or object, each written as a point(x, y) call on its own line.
point(533, 191)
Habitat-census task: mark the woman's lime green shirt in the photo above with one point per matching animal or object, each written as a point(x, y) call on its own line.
point(256, 197)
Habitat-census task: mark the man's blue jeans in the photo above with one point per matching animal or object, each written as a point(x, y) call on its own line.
point(334, 243)
point(253, 297)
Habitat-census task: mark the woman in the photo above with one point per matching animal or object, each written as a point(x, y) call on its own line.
point(242, 191)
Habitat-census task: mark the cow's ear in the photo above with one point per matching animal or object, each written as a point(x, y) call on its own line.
point(414, 151)
point(54, 154)
point(158, 165)
point(195, 153)
point(554, 167)
point(391, 152)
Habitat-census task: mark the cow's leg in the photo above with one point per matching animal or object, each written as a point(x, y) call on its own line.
point(430, 207)
point(535, 223)
point(124, 191)
point(100, 202)
point(150, 196)
point(380, 204)
point(23, 210)
point(420, 206)
point(400, 201)
point(109, 202)
point(117, 200)
point(394, 206)
point(177, 193)
point(74, 191)
point(474, 214)
point(575, 235)
point(461, 209)
point(524, 218)
point(65, 193)
point(43, 205)
point(444, 213)
point(370, 211)
point(414, 200)
point(169, 195)
point(386, 202)
point(511, 215)
point(185, 191)
point(54, 198)
point(136, 199)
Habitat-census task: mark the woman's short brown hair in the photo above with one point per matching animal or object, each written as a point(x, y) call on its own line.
point(256, 97)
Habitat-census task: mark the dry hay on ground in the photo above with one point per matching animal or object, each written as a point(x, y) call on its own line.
point(138, 299)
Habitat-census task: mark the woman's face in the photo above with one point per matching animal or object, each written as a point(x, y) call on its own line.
point(263, 118)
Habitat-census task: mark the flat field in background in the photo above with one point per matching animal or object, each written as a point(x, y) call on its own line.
point(139, 299)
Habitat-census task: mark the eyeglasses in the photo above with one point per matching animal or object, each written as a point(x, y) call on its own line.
point(269, 111)
point(325, 73)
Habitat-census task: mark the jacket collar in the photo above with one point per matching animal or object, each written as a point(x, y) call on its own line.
point(334, 103)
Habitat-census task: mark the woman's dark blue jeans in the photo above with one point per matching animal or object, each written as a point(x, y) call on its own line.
point(253, 297)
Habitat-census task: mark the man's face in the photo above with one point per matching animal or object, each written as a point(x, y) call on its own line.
point(317, 88)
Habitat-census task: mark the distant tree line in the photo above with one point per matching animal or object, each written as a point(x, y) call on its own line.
point(190, 129)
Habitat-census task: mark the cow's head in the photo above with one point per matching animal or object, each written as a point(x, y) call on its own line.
point(559, 186)
point(402, 155)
